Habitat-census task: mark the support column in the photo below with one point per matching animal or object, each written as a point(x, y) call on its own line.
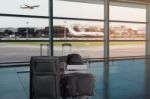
point(50, 47)
point(147, 78)
point(106, 50)
point(147, 63)
point(106, 29)
point(148, 30)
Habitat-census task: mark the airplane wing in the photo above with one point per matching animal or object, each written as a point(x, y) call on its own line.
point(27, 6)
point(36, 6)
point(24, 7)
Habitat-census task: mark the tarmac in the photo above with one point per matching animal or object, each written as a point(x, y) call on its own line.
point(19, 53)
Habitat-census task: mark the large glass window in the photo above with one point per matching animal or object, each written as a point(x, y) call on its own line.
point(76, 36)
point(86, 38)
point(25, 7)
point(78, 10)
point(127, 13)
point(22, 29)
point(127, 39)
point(127, 31)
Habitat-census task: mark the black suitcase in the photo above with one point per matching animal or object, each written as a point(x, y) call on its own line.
point(77, 84)
point(74, 59)
point(44, 78)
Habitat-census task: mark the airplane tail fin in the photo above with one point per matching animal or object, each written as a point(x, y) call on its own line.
point(71, 30)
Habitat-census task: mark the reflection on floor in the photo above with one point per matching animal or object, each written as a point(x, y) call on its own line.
point(13, 85)
point(120, 80)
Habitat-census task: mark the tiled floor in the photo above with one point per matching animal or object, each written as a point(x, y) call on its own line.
point(127, 79)
point(11, 86)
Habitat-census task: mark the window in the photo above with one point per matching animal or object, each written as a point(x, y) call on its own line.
point(85, 37)
point(22, 29)
point(127, 31)
point(25, 7)
point(78, 10)
point(127, 13)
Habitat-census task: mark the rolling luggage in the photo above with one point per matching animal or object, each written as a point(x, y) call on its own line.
point(77, 84)
point(66, 49)
point(75, 64)
point(74, 59)
point(44, 78)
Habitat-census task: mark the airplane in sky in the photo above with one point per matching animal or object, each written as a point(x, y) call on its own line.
point(29, 7)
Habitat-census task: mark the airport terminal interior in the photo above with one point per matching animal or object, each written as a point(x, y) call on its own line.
point(112, 38)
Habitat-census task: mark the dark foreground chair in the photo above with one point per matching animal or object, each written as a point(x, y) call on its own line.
point(45, 82)
point(44, 78)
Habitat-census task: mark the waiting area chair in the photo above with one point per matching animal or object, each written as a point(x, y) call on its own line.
point(46, 81)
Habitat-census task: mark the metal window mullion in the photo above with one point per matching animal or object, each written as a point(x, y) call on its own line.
point(106, 29)
point(132, 22)
point(50, 48)
point(147, 29)
point(68, 18)
point(98, 20)
point(106, 50)
point(24, 16)
point(77, 19)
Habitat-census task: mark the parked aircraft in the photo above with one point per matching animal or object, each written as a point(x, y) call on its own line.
point(83, 33)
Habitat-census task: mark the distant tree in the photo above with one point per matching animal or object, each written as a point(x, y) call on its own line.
point(58, 31)
point(31, 31)
point(76, 28)
point(92, 29)
point(3, 34)
point(38, 33)
point(21, 32)
point(9, 32)
point(87, 30)
point(130, 31)
point(45, 31)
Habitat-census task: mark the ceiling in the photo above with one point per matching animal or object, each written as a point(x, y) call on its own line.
point(98, 1)
point(124, 3)
point(86, 1)
point(135, 1)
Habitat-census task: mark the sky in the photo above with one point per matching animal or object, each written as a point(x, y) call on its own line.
point(64, 9)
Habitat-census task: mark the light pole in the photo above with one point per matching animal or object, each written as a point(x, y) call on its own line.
point(27, 31)
point(65, 31)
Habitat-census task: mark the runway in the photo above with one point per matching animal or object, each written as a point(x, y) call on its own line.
point(19, 53)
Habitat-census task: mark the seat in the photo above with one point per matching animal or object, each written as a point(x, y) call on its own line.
point(76, 82)
point(75, 64)
point(74, 59)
